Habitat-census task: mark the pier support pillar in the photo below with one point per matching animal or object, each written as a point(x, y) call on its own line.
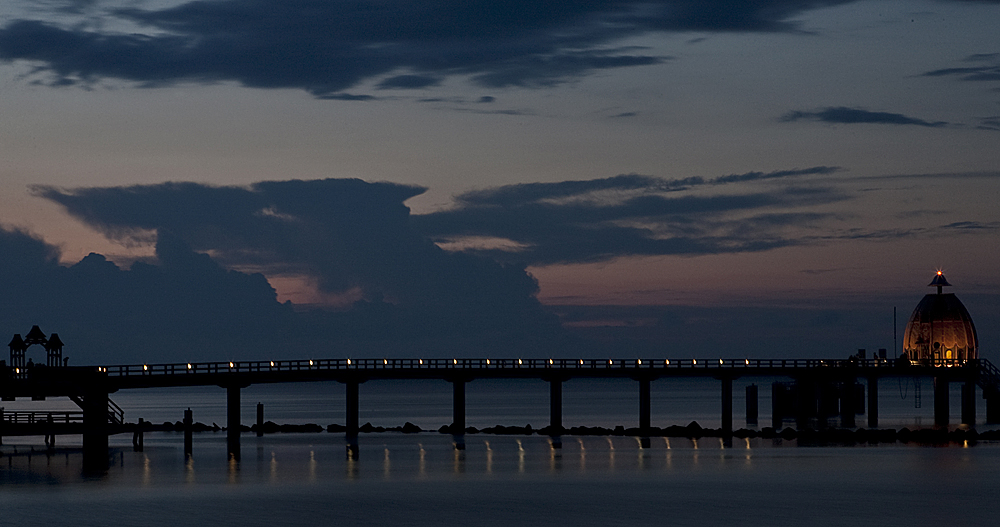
point(95, 428)
point(969, 403)
point(941, 403)
point(351, 415)
point(992, 408)
point(188, 429)
point(233, 421)
point(848, 403)
point(873, 402)
point(752, 408)
point(555, 404)
point(727, 406)
point(458, 407)
point(644, 406)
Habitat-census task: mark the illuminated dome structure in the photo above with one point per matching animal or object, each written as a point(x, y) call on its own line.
point(940, 331)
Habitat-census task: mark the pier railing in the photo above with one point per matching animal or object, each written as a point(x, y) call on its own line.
point(18, 417)
point(195, 368)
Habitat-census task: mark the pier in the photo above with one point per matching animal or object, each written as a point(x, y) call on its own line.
point(816, 388)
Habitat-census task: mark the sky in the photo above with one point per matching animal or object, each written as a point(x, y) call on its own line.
point(252, 179)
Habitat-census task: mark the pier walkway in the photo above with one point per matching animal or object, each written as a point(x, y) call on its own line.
point(815, 386)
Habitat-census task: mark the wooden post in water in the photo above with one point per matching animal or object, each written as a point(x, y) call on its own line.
point(137, 436)
point(941, 403)
point(727, 406)
point(260, 419)
point(188, 429)
point(644, 406)
point(233, 421)
point(873, 401)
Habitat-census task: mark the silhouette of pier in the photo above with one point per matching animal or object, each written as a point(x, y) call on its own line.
point(818, 388)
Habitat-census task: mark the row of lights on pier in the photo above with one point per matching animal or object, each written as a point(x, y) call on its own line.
point(520, 362)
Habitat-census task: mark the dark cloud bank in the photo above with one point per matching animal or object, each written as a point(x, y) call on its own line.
point(326, 47)
point(201, 299)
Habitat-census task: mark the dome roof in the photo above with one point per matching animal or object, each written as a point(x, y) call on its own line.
point(940, 330)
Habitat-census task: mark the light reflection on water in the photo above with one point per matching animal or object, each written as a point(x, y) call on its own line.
point(501, 480)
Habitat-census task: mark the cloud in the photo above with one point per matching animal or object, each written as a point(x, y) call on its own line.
point(629, 215)
point(327, 47)
point(845, 115)
point(348, 236)
point(990, 71)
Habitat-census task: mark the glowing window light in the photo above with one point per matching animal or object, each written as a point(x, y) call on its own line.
point(18, 370)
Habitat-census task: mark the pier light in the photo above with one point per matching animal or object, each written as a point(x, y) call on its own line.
point(487, 362)
point(310, 362)
point(638, 361)
point(610, 362)
point(518, 362)
point(694, 361)
point(747, 361)
point(348, 362)
point(666, 362)
point(189, 365)
point(272, 364)
point(146, 368)
point(454, 361)
point(231, 365)
point(18, 370)
point(550, 361)
point(421, 362)
point(581, 361)
point(385, 361)
point(720, 362)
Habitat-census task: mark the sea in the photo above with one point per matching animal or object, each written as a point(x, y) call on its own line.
point(300, 479)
